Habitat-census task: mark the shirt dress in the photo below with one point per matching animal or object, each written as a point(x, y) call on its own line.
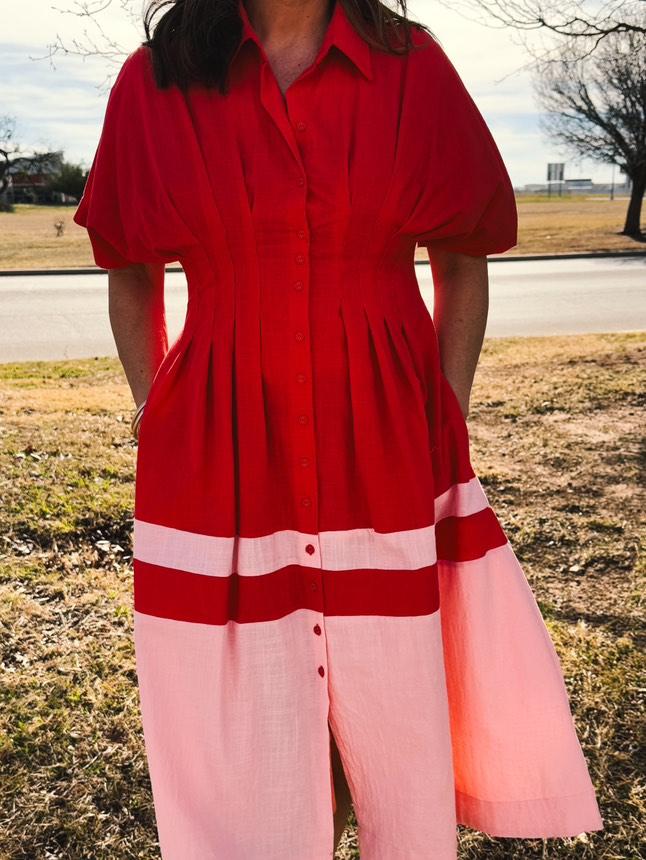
point(313, 551)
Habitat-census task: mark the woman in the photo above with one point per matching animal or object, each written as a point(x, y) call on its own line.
point(326, 605)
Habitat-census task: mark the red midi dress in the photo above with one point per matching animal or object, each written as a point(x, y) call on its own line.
point(312, 549)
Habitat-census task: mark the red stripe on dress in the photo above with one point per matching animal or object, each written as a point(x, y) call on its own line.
point(468, 538)
point(183, 596)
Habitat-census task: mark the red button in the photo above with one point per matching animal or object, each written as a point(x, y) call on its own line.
point(304, 461)
point(300, 377)
point(299, 258)
point(298, 285)
point(303, 419)
point(321, 671)
point(299, 335)
point(301, 126)
point(314, 586)
point(300, 181)
point(306, 501)
point(301, 234)
point(309, 548)
point(317, 629)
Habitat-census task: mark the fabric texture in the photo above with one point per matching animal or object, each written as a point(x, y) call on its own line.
point(313, 551)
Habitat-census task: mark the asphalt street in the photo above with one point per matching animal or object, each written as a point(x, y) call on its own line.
point(66, 316)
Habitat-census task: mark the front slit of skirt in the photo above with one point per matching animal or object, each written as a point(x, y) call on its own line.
point(331, 770)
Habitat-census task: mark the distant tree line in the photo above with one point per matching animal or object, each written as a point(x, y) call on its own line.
point(35, 177)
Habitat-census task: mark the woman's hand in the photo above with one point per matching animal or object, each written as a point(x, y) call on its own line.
point(138, 321)
point(461, 305)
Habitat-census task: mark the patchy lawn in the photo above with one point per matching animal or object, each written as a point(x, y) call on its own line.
point(554, 428)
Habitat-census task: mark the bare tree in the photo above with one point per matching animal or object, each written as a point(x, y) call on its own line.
point(95, 39)
point(587, 20)
point(596, 107)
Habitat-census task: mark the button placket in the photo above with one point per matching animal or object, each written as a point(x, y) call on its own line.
point(305, 473)
point(311, 561)
point(302, 401)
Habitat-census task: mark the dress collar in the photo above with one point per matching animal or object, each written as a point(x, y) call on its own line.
point(339, 32)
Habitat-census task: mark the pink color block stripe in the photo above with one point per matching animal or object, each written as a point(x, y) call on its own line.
point(389, 715)
point(350, 549)
point(353, 549)
point(519, 767)
point(461, 500)
point(204, 692)
point(237, 739)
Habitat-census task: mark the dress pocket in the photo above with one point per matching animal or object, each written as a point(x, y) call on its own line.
point(150, 397)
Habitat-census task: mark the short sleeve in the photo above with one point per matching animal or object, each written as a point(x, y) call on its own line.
point(125, 206)
point(470, 206)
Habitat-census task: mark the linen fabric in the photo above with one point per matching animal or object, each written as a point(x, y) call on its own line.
point(313, 550)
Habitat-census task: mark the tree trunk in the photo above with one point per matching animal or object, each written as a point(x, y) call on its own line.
point(632, 227)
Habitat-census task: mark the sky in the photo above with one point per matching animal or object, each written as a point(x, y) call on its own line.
point(59, 103)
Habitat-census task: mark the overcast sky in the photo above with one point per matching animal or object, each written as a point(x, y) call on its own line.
point(61, 106)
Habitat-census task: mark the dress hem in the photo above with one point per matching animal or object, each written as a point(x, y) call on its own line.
point(538, 818)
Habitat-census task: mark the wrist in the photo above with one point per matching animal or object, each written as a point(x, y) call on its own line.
point(136, 419)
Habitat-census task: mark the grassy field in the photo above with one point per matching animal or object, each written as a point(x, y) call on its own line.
point(554, 433)
point(546, 226)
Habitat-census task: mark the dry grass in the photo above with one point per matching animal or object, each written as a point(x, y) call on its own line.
point(546, 226)
point(554, 430)
point(561, 225)
point(568, 225)
point(28, 239)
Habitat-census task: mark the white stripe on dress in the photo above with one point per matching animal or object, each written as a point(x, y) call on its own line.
point(344, 549)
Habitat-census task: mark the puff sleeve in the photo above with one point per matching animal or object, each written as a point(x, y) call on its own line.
point(469, 203)
point(125, 207)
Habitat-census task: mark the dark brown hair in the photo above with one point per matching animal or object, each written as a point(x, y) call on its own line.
point(193, 41)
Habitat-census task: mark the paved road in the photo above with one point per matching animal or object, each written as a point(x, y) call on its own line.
point(65, 316)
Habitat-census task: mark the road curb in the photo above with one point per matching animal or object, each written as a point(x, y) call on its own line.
point(583, 255)
point(494, 258)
